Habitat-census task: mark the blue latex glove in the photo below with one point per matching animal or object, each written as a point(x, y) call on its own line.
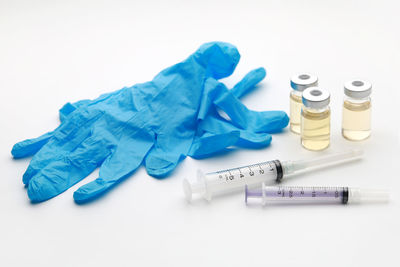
point(214, 133)
point(155, 121)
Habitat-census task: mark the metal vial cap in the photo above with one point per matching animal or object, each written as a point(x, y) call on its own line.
point(357, 89)
point(302, 81)
point(316, 97)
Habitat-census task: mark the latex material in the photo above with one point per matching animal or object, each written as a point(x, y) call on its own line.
point(158, 123)
point(247, 128)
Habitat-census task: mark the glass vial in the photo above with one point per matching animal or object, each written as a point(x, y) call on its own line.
point(315, 119)
point(299, 83)
point(356, 121)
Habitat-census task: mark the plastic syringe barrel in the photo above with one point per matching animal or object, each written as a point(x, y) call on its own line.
point(314, 195)
point(216, 183)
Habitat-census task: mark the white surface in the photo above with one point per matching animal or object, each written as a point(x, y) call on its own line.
point(52, 52)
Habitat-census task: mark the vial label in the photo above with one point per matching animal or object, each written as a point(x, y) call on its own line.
point(295, 113)
point(356, 122)
point(315, 129)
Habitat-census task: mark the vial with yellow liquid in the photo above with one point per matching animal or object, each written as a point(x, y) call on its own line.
point(356, 121)
point(299, 83)
point(315, 119)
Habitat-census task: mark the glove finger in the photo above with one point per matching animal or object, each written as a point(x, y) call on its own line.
point(248, 83)
point(61, 174)
point(247, 138)
point(65, 139)
point(253, 140)
point(29, 147)
point(68, 108)
point(169, 149)
point(272, 121)
point(213, 89)
point(123, 162)
point(243, 118)
point(210, 144)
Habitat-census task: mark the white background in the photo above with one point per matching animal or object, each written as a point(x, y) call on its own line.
point(52, 52)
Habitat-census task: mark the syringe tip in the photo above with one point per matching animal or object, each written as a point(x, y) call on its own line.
point(367, 195)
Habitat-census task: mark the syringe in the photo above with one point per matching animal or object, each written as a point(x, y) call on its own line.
point(225, 181)
point(314, 195)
